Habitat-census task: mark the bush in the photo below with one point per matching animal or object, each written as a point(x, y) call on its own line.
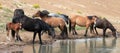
point(0, 6)
point(36, 6)
point(79, 12)
point(59, 12)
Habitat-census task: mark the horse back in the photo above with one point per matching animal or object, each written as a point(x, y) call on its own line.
point(53, 21)
point(13, 26)
point(79, 20)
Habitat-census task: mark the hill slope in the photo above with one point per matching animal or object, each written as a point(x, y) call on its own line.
point(104, 8)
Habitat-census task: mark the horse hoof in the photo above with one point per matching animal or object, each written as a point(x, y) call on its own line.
point(85, 35)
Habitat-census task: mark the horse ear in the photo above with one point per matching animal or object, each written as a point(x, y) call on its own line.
point(39, 11)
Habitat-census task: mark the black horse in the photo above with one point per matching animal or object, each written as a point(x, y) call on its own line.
point(33, 25)
point(104, 24)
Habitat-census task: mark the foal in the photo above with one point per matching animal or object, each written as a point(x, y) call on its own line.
point(13, 26)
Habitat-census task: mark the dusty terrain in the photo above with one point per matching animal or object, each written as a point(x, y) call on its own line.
point(105, 8)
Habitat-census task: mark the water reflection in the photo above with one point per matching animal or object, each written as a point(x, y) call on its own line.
point(67, 46)
point(95, 46)
point(78, 46)
point(42, 49)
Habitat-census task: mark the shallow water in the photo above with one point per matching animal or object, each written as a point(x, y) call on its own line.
point(93, 45)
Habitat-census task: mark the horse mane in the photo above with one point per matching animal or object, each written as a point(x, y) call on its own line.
point(45, 12)
point(90, 17)
point(109, 24)
point(18, 13)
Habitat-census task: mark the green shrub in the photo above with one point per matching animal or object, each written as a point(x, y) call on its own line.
point(1, 6)
point(59, 12)
point(36, 6)
point(80, 28)
point(7, 10)
point(79, 12)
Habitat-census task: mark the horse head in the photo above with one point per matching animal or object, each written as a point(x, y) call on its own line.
point(18, 13)
point(41, 13)
point(51, 32)
point(114, 33)
point(37, 14)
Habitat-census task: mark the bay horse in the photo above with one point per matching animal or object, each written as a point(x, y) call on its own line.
point(54, 22)
point(63, 16)
point(104, 24)
point(81, 21)
point(32, 25)
point(13, 26)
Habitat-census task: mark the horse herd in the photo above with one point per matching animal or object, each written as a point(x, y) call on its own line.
point(49, 21)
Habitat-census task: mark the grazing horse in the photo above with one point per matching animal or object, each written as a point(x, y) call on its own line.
point(81, 21)
point(65, 17)
point(32, 25)
point(104, 24)
point(13, 26)
point(54, 22)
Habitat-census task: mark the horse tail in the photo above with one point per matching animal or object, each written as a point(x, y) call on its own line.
point(68, 19)
point(69, 25)
point(6, 27)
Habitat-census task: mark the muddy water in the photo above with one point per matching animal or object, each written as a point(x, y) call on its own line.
point(93, 45)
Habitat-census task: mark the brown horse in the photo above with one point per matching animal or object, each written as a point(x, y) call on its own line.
point(104, 24)
point(54, 22)
point(81, 21)
point(13, 26)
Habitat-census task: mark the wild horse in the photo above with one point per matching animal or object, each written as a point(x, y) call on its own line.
point(81, 21)
point(13, 26)
point(54, 22)
point(32, 25)
point(63, 16)
point(104, 24)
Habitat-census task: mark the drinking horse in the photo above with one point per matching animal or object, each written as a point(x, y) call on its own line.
point(32, 25)
point(104, 24)
point(54, 22)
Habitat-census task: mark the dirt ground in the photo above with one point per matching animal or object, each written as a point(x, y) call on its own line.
point(28, 36)
point(81, 7)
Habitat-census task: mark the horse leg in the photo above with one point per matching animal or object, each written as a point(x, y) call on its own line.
point(65, 31)
point(62, 32)
point(86, 30)
point(8, 38)
point(34, 36)
point(39, 35)
point(91, 29)
point(17, 39)
point(18, 36)
point(13, 34)
point(104, 31)
point(96, 30)
point(73, 30)
point(75, 33)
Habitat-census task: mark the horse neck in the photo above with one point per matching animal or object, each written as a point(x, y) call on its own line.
point(111, 27)
point(44, 18)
